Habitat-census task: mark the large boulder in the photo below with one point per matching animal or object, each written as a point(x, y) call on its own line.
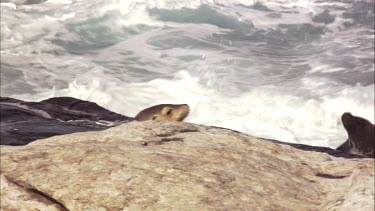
point(165, 165)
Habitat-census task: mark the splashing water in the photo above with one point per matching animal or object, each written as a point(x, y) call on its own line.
point(284, 70)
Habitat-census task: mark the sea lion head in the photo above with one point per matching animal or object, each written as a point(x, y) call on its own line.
point(348, 121)
point(360, 132)
point(174, 112)
point(354, 124)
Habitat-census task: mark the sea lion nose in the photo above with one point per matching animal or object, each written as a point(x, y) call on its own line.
point(346, 117)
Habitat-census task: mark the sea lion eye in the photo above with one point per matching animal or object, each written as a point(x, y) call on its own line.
point(169, 111)
point(154, 117)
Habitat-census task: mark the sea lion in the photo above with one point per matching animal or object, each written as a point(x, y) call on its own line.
point(174, 112)
point(361, 135)
point(23, 122)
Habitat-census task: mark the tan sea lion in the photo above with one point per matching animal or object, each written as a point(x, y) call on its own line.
point(23, 122)
point(361, 135)
point(175, 112)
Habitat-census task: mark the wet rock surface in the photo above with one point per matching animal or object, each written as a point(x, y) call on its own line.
point(23, 122)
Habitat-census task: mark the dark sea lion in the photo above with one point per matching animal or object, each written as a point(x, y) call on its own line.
point(361, 135)
point(174, 112)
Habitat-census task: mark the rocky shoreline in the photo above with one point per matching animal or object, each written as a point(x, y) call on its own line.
point(168, 165)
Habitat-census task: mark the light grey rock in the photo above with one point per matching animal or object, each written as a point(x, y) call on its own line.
point(164, 165)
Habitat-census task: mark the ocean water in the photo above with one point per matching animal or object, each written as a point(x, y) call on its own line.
point(281, 69)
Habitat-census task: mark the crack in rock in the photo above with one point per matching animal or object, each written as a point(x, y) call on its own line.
point(162, 141)
point(47, 197)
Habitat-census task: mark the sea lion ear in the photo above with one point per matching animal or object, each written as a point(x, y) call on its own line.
point(361, 122)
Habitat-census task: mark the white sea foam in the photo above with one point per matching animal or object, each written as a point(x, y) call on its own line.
point(264, 112)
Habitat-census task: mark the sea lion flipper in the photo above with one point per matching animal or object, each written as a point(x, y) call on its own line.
point(344, 146)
